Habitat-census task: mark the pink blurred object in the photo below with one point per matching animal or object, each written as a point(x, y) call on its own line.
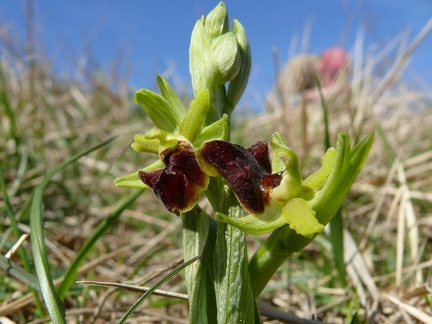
point(331, 63)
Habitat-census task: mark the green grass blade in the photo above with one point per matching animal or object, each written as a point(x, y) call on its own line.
point(156, 286)
point(16, 271)
point(17, 232)
point(52, 301)
point(70, 275)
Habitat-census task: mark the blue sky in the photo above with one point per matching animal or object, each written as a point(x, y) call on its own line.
point(154, 35)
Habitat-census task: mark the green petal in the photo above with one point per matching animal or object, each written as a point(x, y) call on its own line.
point(143, 144)
point(300, 216)
point(167, 140)
point(160, 111)
point(133, 181)
point(251, 224)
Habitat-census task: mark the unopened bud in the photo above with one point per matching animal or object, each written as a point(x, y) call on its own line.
point(227, 56)
point(216, 22)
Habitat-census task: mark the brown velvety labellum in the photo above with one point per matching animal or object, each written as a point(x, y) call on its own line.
point(242, 171)
point(178, 184)
point(260, 151)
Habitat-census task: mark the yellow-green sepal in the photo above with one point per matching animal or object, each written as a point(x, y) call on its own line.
point(132, 180)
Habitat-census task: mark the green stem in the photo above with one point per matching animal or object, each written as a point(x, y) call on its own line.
point(235, 302)
point(281, 244)
point(336, 239)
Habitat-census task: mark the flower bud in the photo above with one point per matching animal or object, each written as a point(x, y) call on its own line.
point(216, 22)
point(238, 84)
point(227, 56)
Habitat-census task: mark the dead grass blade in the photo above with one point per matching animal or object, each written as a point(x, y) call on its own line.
point(413, 311)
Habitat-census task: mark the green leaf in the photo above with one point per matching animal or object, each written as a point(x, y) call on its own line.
point(235, 303)
point(107, 222)
point(132, 180)
point(163, 114)
point(196, 115)
point(40, 255)
point(22, 275)
point(170, 95)
point(156, 286)
point(199, 232)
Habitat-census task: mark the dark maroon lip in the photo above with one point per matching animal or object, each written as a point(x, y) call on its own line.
point(177, 185)
point(246, 170)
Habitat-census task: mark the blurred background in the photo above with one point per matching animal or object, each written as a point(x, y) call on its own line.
point(140, 38)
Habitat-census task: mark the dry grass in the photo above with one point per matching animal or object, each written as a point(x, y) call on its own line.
point(388, 214)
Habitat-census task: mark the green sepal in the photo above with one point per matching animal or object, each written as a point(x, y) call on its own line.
point(216, 22)
point(132, 180)
point(252, 224)
point(238, 84)
point(170, 95)
point(142, 144)
point(300, 216)
point(196, 115)
point(163, 114)
point(316, 180)
point(227, 56)
point(216, 131)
